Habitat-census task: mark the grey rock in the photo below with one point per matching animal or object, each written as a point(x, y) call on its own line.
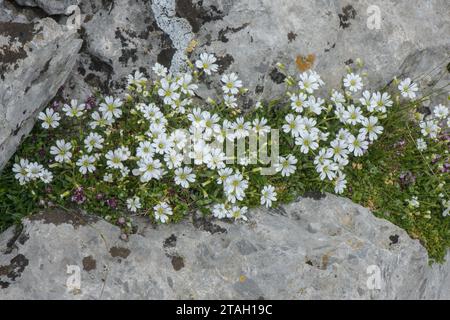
point(273, 256)
point(36, 59)
point(50, 6)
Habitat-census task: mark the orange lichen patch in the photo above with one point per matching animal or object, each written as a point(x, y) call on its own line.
point(305, 63)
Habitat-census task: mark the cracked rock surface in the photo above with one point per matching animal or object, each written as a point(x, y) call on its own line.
point(36, 59)
point(314, 248)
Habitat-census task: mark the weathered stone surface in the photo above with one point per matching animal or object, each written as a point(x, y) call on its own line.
point(49, 6)
point(310, 249)
point(35, 60)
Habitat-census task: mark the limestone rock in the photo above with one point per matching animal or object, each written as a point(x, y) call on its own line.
point(322, 248)
point(49, 6)
point(35, 60)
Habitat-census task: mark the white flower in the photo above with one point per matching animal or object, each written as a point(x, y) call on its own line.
point(367, 100)
point(111, 108)
point(137, 79)
point(338, 149)
point(184, 176)
point(173, 159)
point(430, 128)
point(108, 177)
point(196, 117)
point(238, 213)
point(100, 120)
point(446, 204)
point(260, 127)
point(307, 141)
point(327, 169)
point(231, 83)
point(186, 85)
point(413, 202)
point(21, 171)
point(210, 123)
point(408, 89)
point(34, 170)
point(206, 63)
point(370, 128)
point(293, 125)
point(133, 204)
point(179, 138)
point(148, 169)
point(298, 102)
point(50, 118)
point(220, 211)
point(145, 150)
point(440, 111)
point(114, 159)
point(86, 163)
point(235, 186)
point(162, 211)
point(93, 140)
point(310, 81)
point(286, 165)
point(353, 115)
point(380, 102)
point(224, 174)
point(46, 176)
point(159, 70)
point(162, 145)
point(314, 105)
point(230, 101)
point(358, 144)
point(323, 155)
point(268, 195)
point(168, 91)
point(215, 159)
point(337, 97)
point(353, 82)
point(421, 144)
point(340, 184)
point(62, 151)
point(74, 110)
point(241, 128)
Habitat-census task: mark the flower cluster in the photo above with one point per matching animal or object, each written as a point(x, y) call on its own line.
point(155, 151)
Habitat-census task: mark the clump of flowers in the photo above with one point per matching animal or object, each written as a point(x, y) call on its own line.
point(161, 151)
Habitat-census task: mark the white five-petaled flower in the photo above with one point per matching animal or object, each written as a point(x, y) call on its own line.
point(86, 164)
point(168, 91)
point(162, 211)
point(93, 140)
point(286, 165)
point(440, 111)
point(429, 128)
point(220, 211)
point(74, 109)
point(159, 70)
point(21, 171)
point(310, 81)
point(421, 144)
point(357, 144)
point(46, 176)
point(307, 141)
point(62, 151)
point(408, 88)
point(353, 115)
point(294, 125)
point(298, 102)
point(186, 85)
point(49, 118)
point(370, 128)
point(184, 176)
point(268, 195)
point(340, 183)
point(353, 82)
point(207, 63)
point(235, 186)
point(111, 108)
point(133, 204)
point(149, 169)
point(238, 213)
point(100, 120)
point(231, 83)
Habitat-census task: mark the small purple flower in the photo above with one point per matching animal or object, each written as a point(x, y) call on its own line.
point(121, 220)
point(90, 103)
point(112, 203)
point(436, 158)
point(406, 179)
point(56, 105)
point(99, 196)
point(78, 195)
point(124, 236)
point(445, 167)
